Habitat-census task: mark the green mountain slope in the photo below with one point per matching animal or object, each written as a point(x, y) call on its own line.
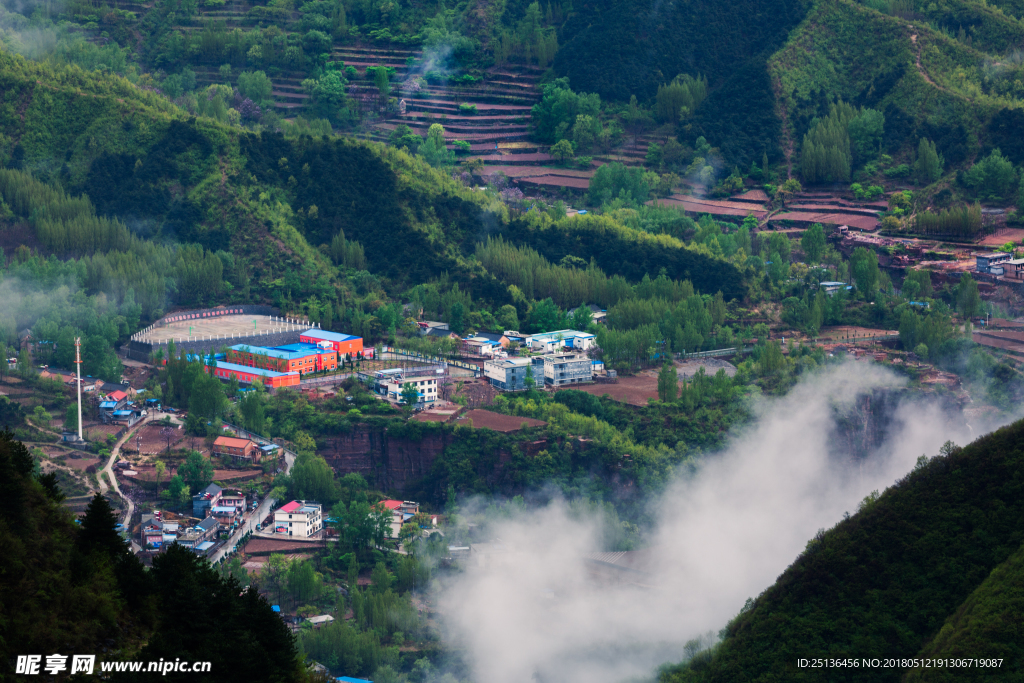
point(927, 83)
point(618, 49)
point(988, 625)
point(881, 583)
point(276, 202)
point(191, 179)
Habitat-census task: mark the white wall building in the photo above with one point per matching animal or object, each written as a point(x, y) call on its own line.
point(299, 518)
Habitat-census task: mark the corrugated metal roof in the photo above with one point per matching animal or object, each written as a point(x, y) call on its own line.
point(327, 336)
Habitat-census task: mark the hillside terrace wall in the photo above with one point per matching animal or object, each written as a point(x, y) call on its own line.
point(396, 463)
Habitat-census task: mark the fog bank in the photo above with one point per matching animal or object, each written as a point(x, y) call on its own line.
point(539, 610)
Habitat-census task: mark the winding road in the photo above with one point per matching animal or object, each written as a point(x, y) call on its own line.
point(250, 520)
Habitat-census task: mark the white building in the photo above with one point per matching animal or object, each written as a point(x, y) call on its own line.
point(561, 369)
point(552, 342)
point(509, 374)
point(299, 518)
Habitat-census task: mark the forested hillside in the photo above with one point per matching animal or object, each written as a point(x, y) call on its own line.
point(935, 77)
point(881, 583)
point(619, 49)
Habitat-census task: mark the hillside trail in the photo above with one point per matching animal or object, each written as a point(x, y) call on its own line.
point(921, 70)
point(108, 469)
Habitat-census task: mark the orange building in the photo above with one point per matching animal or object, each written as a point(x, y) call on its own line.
point(301, 357)
point(342, 344)
point(248, 375)
point(242, 449)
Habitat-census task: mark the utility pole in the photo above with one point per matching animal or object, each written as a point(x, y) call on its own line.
point(78, 384)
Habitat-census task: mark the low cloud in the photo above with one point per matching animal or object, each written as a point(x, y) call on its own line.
point(539, 605)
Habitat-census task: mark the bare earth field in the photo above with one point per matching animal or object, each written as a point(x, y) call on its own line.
point(498, 422)
point(633, 390)
point(265, 546)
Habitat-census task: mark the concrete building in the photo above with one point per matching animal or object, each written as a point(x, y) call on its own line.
point(988, 261)
point(561, 369)
point(552, 342)
point(509, 374)
point(299, 518)
point(206, 499)
point(341, 344)
point(426, 385)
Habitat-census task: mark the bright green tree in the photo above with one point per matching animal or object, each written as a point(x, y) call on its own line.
point(433, 148)
point(813, 243)
point(668, 383)
point(929, 162)
point(410, 395)
point(968, 300)
point(196, 471)
point(563, 151)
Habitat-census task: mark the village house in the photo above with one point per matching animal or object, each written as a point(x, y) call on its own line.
point(206, 499)
point(401, 512)
point(203, 532)
point(299, 518)
point(226, 515)
point(237, 449)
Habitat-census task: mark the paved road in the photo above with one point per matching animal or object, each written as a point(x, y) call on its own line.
point(252, 519)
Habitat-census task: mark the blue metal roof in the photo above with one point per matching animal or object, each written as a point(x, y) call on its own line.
point(235, 367)
point(107, 404)
point(349, 679)
point(327, 336)
point(122, 413)
point(280, 352)
point(276, 608)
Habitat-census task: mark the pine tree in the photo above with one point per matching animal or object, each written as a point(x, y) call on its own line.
point(929, 162)
point(668, 383)
point(97, 532)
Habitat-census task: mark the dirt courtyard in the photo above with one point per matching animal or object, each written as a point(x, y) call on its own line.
point(638, 389)
point(220, 327)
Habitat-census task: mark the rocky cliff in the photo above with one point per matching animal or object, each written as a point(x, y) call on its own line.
point(389, 462)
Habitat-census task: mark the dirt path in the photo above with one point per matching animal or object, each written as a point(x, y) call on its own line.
point(921, 69)
point(108, 469)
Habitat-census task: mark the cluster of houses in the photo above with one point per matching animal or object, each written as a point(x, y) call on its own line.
point(214, 509)
point(118, 406)
point(550, 370)
point(282, 366)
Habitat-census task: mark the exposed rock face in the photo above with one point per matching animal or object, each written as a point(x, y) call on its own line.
point(866, 425)
point(388, 462)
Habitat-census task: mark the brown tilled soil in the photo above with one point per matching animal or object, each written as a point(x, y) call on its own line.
point(634, 390)
point(268, 545)
point(485, 419)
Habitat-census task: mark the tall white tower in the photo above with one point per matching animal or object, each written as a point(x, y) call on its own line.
point(78, 384)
